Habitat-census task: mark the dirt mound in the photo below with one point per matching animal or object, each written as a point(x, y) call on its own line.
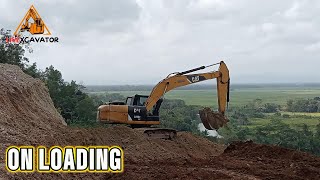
point(28, 117)
point(139, 148)
point(26, 109)
point(249, 149)
point(270, 161)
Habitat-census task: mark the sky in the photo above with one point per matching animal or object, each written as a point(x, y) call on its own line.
point(115, 42)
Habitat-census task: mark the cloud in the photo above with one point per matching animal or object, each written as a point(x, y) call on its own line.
point(140, 42)
point(313, 47)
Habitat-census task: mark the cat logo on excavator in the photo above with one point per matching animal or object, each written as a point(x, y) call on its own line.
point(35, 27)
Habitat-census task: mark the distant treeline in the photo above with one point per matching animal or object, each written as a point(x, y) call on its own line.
point(99, 88)
point(304, 105)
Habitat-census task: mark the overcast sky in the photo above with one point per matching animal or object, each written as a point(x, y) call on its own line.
point(140, 42)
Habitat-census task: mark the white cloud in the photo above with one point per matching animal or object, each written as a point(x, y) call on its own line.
point(140, 42)
point(313, 47)
point(292, 12)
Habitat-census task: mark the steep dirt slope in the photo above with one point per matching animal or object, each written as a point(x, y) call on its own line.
point(27, 113)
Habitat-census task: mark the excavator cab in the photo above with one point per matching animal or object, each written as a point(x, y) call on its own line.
point(37, 27)
point(136, 100)
point(139, 101)
point(38, 21)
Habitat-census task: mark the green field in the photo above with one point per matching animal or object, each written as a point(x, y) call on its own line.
point(242, 96)
point(295, 120)
point(237, 96)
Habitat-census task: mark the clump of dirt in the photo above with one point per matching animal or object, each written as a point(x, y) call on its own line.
point(270, 161)
point(212, 120)
point(28, 117)
point(249, 149)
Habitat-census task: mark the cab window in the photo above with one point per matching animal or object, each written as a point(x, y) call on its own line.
point(143, 101)
point(128, 102)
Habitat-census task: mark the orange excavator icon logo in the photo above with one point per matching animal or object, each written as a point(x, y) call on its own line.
point(35, 27)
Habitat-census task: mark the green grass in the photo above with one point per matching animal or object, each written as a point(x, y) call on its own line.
point(292, 121)
point(238, 97)
point(302, 114)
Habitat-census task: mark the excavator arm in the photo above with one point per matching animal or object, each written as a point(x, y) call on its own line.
point(211, 120)
point(176, 80)
point(31, 14)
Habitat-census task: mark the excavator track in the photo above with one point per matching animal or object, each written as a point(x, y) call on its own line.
point(159, 133)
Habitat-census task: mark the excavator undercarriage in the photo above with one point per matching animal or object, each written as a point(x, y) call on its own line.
point(159, 133)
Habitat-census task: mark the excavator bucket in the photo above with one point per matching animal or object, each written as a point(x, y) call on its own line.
point(212, 120)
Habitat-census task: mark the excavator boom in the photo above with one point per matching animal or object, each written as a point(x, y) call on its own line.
point(182, 79)
point(210, 119)
point(143, 111)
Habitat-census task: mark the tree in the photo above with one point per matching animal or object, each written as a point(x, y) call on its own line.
point(68, 98)
point(33, 71)
point(240, 117)
point(304, 105)
point(85, 109)
point(317, 134)
point(177, 115)
point(14, 54)
point(54, 82)
point(270, 108)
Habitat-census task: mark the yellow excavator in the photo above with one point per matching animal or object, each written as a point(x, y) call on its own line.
point(37, 27)
point(143, 111)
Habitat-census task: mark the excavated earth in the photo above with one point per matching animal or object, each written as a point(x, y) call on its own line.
point(28, 117)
